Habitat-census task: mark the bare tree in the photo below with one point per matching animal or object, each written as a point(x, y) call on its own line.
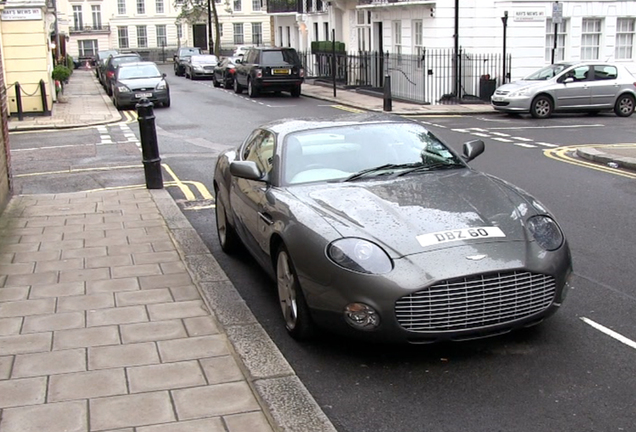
point(197, 11)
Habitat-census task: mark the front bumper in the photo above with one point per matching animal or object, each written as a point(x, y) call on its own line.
point(508, 104)
point(389, 295)
point(132, 98)
point(267, 84)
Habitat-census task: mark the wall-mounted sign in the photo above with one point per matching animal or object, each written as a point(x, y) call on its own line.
point(22, 14)
point(528, 15)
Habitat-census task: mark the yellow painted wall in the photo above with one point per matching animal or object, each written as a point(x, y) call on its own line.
point(27, 60)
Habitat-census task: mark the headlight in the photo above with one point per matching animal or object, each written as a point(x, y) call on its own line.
point(198, 68)
point(123, 89)
point(161, 85)
point(522, 92)
point(359, 255)
point(546, 232)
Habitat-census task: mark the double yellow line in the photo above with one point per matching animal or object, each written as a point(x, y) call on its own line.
point(563, 154)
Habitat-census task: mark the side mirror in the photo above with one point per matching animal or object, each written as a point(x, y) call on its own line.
point(472, 149)
point(246, 169)
point(568, 80)
point(238, 61)
point(164, 75)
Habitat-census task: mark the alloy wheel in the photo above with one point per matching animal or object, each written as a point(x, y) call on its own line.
point(286, 282)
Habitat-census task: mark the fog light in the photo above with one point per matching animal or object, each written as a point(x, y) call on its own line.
point(361, 316)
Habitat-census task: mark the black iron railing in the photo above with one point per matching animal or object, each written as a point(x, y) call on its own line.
point(90, 29)
point(432, 77)
point(282, 6)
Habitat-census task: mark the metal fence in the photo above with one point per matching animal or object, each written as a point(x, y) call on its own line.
point(431, 77)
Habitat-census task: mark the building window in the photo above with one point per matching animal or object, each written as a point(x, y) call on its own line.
point(159, 6)
point(162, 38)
point(87, 48)
point(590, 39)
point(624, 39)
point(418, 37)
point(122, 37)
point(121, 7)
point(562, 31)
point(397, 37)
point(256, 5)
point(364, 30)
point(257, 33)
point(179, 31)
point(326, 28)
point(141, 7)
point(97, 17)
point(142, 37)
point(316, 35)
point(78, 21)
point(238, 34)
point(237, 5)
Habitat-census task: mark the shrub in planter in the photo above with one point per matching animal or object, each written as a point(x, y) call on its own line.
point(61, 73)
point(70, 64)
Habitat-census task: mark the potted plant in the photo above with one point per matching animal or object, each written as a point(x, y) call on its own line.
point(61, 73)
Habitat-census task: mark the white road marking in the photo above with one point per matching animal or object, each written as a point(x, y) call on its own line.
point(525, 145)
point(521, 139)
point(483, 135)
point(549, 127)
point(611, 333)
point(500, 134)
point(459, 130)
point(479, 129)
point(502, 139)
point(545, 144)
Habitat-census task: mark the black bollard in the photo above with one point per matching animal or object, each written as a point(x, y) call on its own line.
point(388, 103)
point(149, 148)
point(18, 100)
point(45, 104)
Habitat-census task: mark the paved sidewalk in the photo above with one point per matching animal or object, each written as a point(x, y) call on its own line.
point(114, 316)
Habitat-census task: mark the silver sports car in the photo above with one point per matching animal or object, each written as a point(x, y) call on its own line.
point(372, 227)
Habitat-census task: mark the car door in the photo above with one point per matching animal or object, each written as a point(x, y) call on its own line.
point(575, 94)
point(243, 68)
point(604, 87)
point(248, 197)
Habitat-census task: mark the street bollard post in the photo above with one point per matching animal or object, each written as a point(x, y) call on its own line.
point(18, 100)
point(388, 103)
point(149, 147)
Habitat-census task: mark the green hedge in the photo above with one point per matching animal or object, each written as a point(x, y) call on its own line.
point(327, 47)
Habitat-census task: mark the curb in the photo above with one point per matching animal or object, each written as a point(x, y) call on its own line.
point(599, 156)
point(286, 402)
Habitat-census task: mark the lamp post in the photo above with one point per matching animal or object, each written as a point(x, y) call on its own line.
point(504, 20)
point(210, 41)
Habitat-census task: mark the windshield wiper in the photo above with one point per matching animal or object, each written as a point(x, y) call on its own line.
point(380, 170)
point(433, 167)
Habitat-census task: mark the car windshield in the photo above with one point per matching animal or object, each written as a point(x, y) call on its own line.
point(120, 60)
point(280, 56)
point(207, 59)
point(136, 72)
point(547, 72)
point(187, 52)
point(347, 153)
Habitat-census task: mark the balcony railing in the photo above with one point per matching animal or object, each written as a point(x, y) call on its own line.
point(383, 2)
point(90, 29)
point(296, 6)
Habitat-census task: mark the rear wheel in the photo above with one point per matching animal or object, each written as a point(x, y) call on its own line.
point(292, 301)
point(215, 83)
point(624, 106)
point(227, 236)
point(541, 107)
point(237, 87)
point(251, 90)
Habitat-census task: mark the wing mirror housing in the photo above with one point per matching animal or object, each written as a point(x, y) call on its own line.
point(472, 149)
point(568, 80)
point(247, 170)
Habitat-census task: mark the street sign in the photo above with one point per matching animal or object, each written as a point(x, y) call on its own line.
point(557, 13)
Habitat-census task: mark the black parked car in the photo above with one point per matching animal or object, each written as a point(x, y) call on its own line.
point(200, 66)
point(269, 69)
point(136, 81)
point(100, 62)
point(181, 56)
point(224, 72)
point(111, 65)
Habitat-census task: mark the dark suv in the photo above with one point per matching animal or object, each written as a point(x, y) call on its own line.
point(269, 70)
point(111, 64)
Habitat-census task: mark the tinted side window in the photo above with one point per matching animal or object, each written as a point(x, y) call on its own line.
point(605, 72)
point(261, 151)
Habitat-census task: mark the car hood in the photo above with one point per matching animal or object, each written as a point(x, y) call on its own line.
point(518, 85)
point(394, 213)
point(138, 83)
point(205, 64)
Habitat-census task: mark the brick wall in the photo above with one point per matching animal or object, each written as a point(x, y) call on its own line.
point(5, 158)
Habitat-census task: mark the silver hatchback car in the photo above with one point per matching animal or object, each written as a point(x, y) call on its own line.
point(570, 86)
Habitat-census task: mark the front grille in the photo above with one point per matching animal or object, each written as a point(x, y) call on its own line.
point(498, 103)
point(501, 92)
point(475, 302)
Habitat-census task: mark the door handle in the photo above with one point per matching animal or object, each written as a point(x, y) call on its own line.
point(266, 218)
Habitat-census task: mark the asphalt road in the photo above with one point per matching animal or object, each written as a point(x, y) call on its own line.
point(564, 375)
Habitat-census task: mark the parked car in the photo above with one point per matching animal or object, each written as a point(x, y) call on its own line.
point(240, 50)
point(140, 80)
point(200, 66)
point(100, 62)
point(113, 62)
point(181, 56)
point(374, 228)
point(570, 86)
point(224, 72)
point(269, 69)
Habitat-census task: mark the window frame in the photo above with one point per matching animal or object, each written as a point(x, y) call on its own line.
point(121, 7)
point(141, 7)
point(78, 17)
point(257, 33)
point(161, 37)
point(92, 52)
point(625, 51)
point(96, 12)
point(142, 36)
point(122, 35)
point(591, 51)
point(160, 7)
point(238, 36)
point(562, 33)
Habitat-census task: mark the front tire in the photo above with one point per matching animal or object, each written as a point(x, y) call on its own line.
point(541, 107)
point(624, 106)
point(237, 87)
point(215, 83)
point(227, 236)
point(292, 301)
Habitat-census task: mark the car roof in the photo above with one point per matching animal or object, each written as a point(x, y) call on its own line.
point(133, 64)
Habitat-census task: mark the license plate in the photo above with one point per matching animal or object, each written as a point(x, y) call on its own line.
point(281, 71)
point(497, 98)
point(143, 95)
point(463, 234)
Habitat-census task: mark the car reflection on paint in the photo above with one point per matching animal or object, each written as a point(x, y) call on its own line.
point(374, 228)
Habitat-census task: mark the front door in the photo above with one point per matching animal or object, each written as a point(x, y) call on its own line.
point(574, 94)
point(200, 36)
